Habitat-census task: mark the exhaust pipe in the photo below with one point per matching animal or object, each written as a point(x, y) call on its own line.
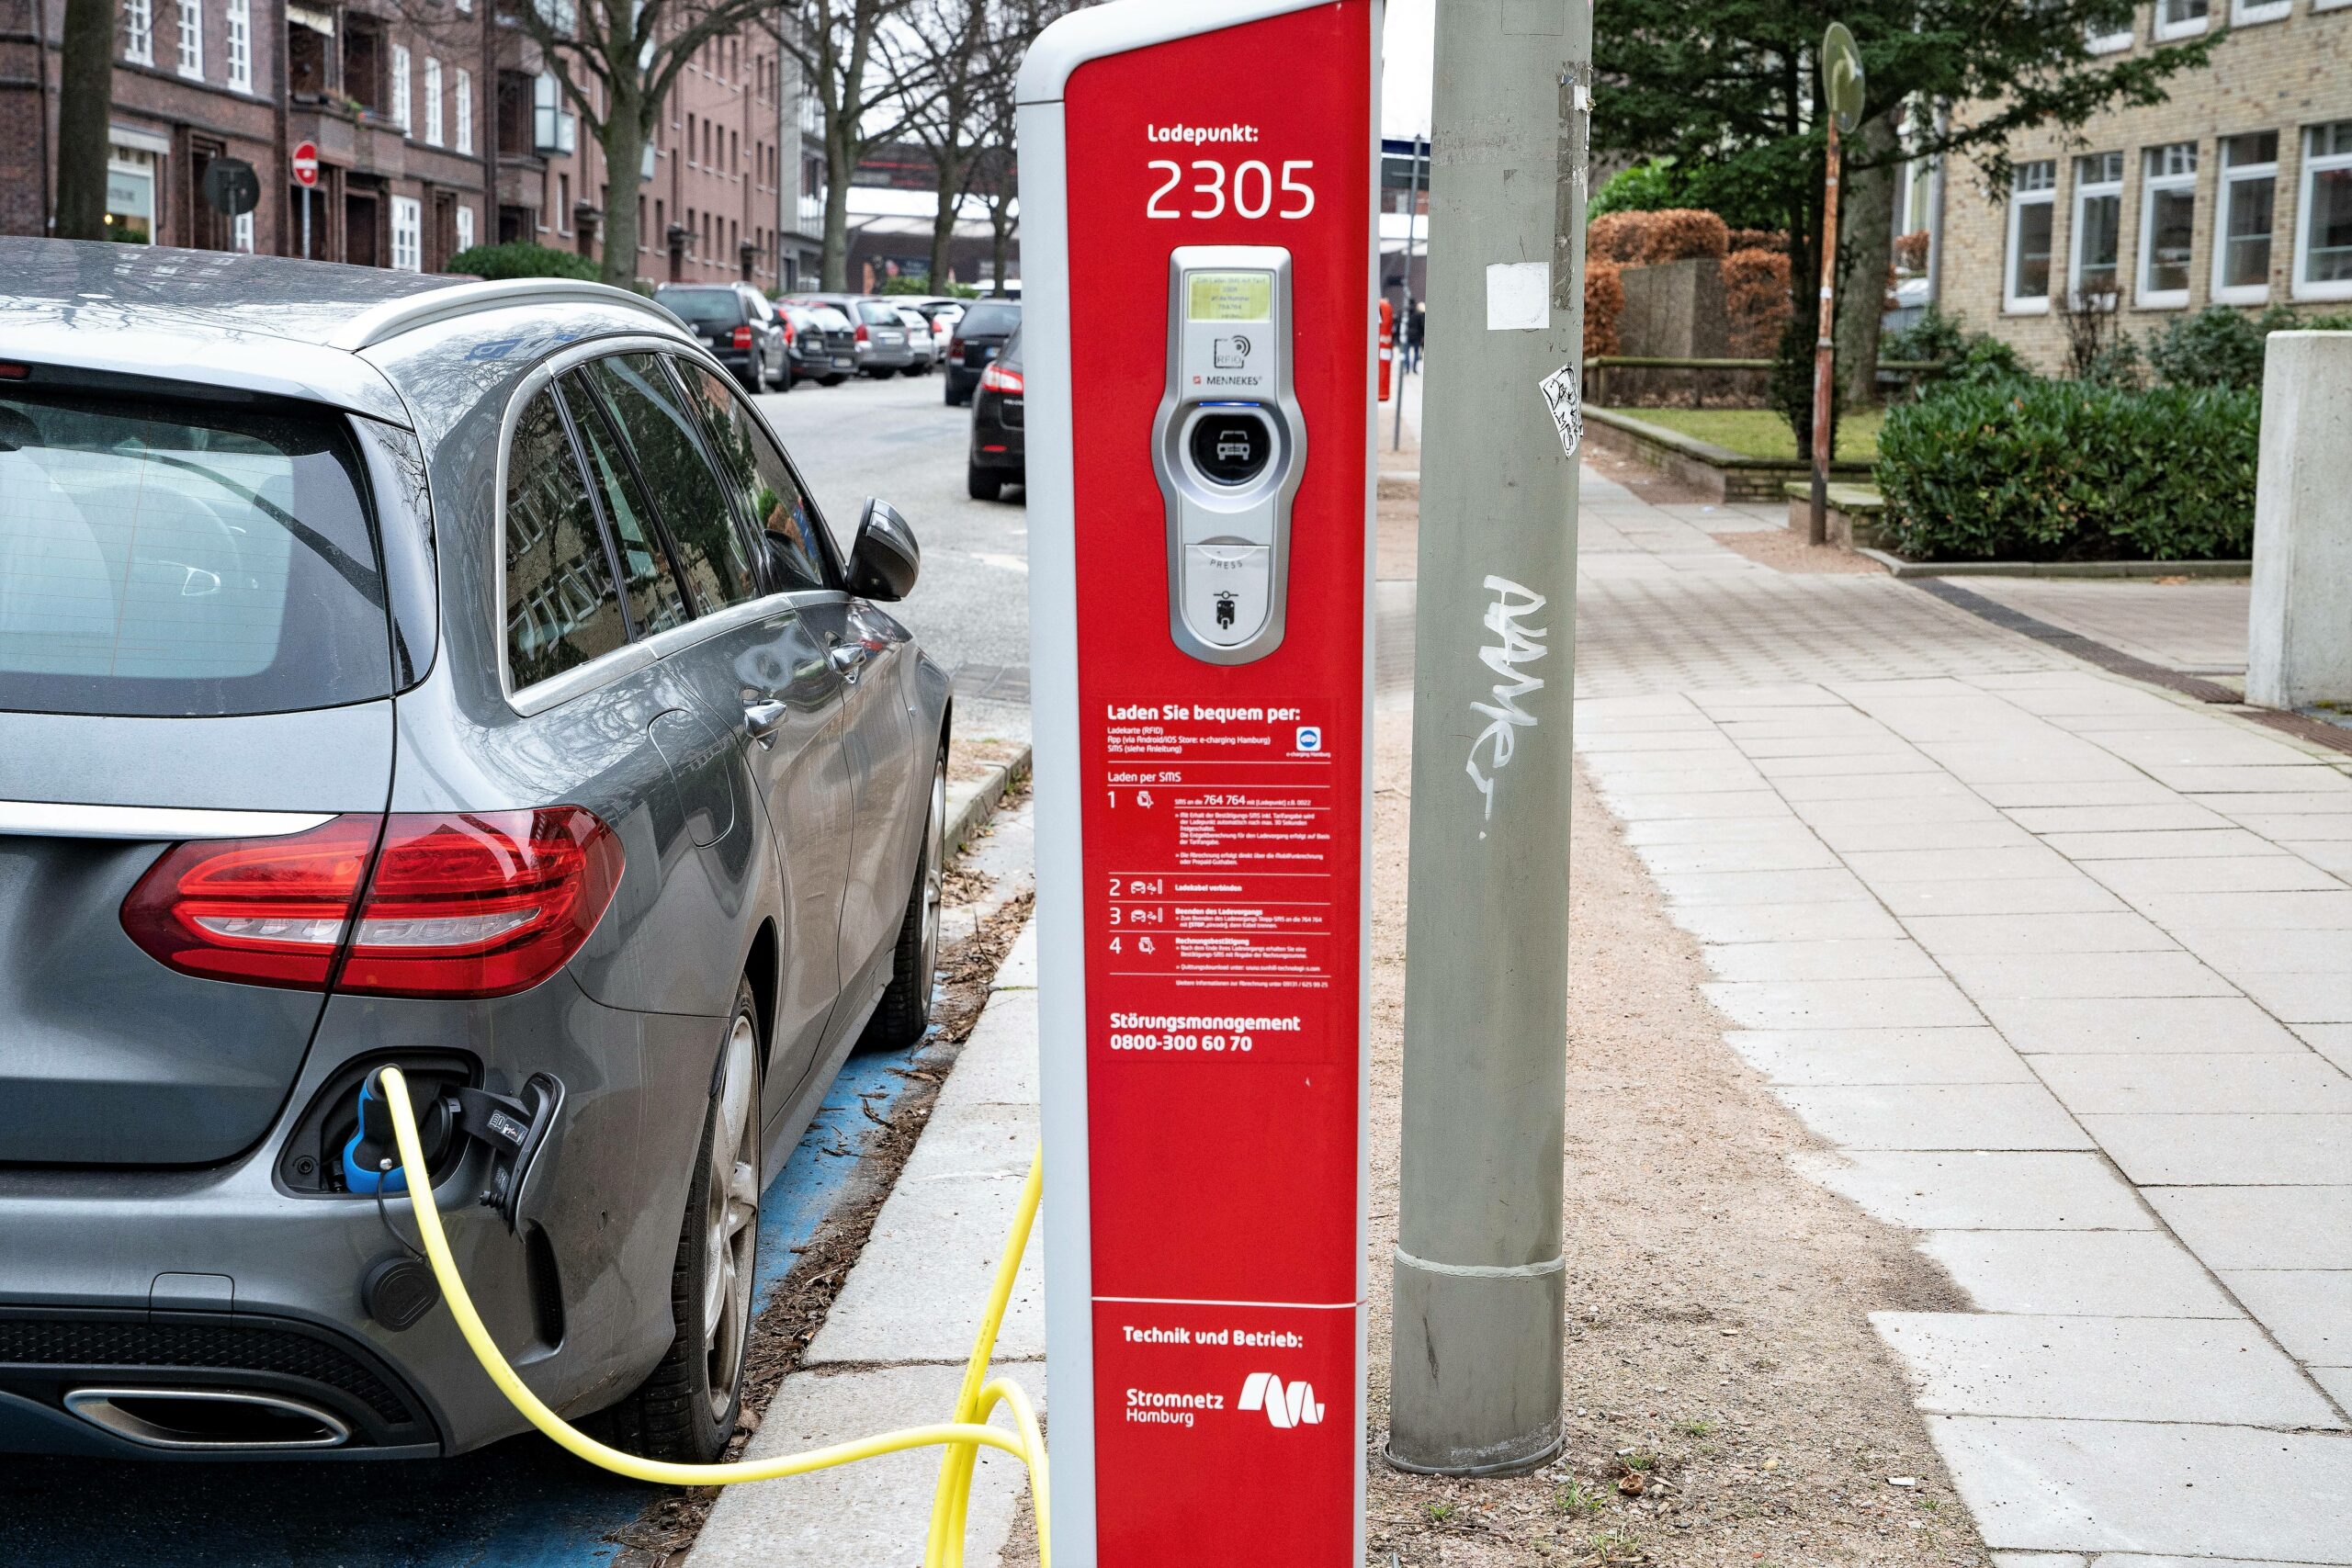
point(210, 1419)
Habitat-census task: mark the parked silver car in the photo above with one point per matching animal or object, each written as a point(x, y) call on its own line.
point(882, 340)
point(452, 675)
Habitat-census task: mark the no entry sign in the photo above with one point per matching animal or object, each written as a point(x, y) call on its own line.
point(305, 164)
point(1197, 202)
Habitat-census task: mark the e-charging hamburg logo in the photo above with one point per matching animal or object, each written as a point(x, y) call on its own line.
point(1285, 1404)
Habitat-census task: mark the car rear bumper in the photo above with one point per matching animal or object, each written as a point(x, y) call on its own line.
point(225, 1278)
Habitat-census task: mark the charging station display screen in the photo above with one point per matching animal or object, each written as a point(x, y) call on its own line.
point(1232, 296)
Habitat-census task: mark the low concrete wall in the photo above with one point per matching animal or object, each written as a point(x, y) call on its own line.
point(1674, 311)
point(1717, 472)
point(2299, 634)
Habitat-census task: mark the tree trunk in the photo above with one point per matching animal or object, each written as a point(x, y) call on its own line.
point(85, 106)
point(624, 140)
point(943, 219)
point(1000, 218)
point(840, 163)
point(1866, 222)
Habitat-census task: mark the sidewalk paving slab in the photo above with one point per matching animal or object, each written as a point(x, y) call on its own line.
point(2144, 906)
point(2096, 1369)
point(2137, 1273)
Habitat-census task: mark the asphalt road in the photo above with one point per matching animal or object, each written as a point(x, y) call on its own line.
point(897, 439)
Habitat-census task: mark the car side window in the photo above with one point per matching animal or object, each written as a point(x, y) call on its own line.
point(761, 479)
point(654, 602)
point(712, 552)
point(562, 608)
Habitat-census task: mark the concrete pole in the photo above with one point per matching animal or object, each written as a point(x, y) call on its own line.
point(1474, 1373)
point(2299, 641)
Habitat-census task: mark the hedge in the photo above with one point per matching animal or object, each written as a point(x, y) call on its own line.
point(1647, 238)
point(2068, 470)
point(520, 258)
point(1604, 301)
point(1756, 297)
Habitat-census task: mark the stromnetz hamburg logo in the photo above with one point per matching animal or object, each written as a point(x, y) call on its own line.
point(1285, 1404)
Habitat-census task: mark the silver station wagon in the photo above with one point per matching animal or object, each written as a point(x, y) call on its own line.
point(455, 675)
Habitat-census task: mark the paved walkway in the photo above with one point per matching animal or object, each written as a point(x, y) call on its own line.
point(2196, 625)
point(2061, 968)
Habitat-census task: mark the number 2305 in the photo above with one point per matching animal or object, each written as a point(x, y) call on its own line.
point(1250, 189)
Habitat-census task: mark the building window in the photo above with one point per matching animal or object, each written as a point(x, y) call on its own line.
point(131, 195)
point(464, 94)
point(553, 127)
point(408, 235)
point(563, 204)
point(2167, 223)
point(2098, 227)
point(465, 225)
point(139, 31)
point(2245, 11)
point(2033, 197)
point(432, 101)
point(2120, 38)
point(239, 25)
point(192, 40)
point(2242, 218)
point(2180, 18)
point(2323, 235)
point(400, 86)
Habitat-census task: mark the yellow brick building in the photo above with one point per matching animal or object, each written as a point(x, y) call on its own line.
point(2238, 191)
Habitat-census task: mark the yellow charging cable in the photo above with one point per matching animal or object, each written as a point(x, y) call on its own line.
point(963, 1436)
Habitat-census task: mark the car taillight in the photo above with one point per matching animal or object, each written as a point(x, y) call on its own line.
point(862, 333)
point(743, 337)
point(459, 904)
point(996, 378)
point(787, 330)
point(956, 347)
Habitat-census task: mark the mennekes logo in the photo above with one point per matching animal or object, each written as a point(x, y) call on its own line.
point(1196, 134)
point(1285, 1404)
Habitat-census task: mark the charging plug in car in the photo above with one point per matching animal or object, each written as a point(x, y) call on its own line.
point(513, 1127)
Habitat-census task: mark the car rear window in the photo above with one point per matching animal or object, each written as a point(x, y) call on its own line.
point(831, 319)
point(877, 313)
point(165, 560)
point(986, 319)
point(703, 306)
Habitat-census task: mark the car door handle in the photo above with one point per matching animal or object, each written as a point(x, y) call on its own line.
point(847, 659)
point(763, 719)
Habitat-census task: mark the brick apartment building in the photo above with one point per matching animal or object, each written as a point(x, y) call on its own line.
point(2237, 191)
point(436, 126)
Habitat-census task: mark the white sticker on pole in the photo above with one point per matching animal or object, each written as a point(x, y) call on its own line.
point(1519, 296)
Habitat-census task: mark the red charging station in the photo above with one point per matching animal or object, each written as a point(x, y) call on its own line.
point(1199, 253)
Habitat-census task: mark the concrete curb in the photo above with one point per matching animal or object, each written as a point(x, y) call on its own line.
point(1896, 566)
point(969, 806)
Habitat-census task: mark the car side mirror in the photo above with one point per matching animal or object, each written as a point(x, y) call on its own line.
point(883, 559)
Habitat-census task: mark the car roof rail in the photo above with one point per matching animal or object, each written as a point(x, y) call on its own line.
point(381, 322)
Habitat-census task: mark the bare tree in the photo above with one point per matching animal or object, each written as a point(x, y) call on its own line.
point(995, 169)
point(84, 104)
point(617, 62)
point(970, 52)
point(869, 85)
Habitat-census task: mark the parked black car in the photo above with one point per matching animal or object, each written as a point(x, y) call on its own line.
point(821, 343)
point(998, 456)
point(980, 338)
point(738, 324)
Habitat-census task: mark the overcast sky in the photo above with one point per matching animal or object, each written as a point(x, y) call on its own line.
point(1405, 83)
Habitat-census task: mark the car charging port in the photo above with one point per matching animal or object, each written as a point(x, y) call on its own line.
point(312, 1163)
point(1231, 446)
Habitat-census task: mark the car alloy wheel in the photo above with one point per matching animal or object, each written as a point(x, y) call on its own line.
point(732, 1217)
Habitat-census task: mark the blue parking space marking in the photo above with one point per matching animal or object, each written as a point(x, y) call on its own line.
point(520, 1504)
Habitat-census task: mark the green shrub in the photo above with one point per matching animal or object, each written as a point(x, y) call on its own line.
point(1976, 359)
point(2221, 347)
point(2068, 471)
point(520, 258)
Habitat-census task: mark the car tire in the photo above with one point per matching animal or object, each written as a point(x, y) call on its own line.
point(953, 400)
point(983, 484)
point(686, 1410)
point(904, 1015)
